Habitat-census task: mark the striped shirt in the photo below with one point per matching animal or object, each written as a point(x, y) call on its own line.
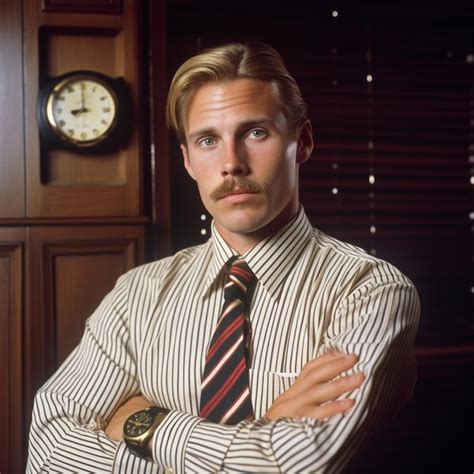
point(150, 335)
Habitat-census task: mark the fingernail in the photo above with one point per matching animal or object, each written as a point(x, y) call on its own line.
point(356, 377)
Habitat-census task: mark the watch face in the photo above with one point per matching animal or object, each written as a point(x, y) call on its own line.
point(138, 423)
point(82, 110)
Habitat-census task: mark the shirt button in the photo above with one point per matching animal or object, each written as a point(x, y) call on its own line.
point(168, 470)
point(92, 425)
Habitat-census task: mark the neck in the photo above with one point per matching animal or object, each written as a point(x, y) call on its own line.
point(242, 243)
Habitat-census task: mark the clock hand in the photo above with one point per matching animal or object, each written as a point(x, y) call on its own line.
point(79, 111)
point(82, 95)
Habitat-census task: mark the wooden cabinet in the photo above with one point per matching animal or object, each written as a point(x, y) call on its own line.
point(51, 280)
point(70, 223)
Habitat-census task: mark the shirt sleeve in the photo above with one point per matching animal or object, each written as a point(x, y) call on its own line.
point(377, 320)
point(73, 407)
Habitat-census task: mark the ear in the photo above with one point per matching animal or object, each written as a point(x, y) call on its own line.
point(305, 142)
point(187, 163)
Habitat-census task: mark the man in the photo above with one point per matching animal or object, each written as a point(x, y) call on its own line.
point(324, 332)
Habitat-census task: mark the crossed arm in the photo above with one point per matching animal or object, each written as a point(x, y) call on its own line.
point(306, 427)
point(315, 394)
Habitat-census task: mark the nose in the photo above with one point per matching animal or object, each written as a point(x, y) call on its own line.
point(234, 161)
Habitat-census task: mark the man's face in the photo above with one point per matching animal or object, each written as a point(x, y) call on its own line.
point(244, 158)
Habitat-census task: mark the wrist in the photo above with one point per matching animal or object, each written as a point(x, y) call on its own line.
point(139, 428)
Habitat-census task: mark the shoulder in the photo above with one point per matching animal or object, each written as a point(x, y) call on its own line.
point(141, 283)
point(366, 291)
point(169, 267)
point(354, 262)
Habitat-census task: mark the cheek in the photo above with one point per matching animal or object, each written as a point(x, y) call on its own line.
point(283, 171)
point(199, 172)
point(205, 186)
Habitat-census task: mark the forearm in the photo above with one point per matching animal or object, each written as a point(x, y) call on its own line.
point(61, 443)
point(189, 444)
point(73, 407)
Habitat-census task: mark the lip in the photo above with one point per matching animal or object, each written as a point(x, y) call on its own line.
point(238, 197)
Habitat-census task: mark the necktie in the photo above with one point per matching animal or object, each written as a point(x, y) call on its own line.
point(225, 396)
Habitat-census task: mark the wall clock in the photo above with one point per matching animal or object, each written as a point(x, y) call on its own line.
point(84, 111)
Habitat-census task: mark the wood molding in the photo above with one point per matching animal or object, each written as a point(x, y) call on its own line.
point(79, 221)
point(12, 162)
point(159, 198)
point(81, 6)
point(11, 369)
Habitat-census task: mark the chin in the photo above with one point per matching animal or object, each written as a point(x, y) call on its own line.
point(244, 224)
point(240, 228)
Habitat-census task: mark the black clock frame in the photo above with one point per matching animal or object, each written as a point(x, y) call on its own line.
point(117, 135)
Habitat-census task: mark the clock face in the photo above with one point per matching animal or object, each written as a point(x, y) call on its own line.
point(82, 110)
point(138, 423)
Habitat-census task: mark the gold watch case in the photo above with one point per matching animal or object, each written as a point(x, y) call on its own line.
point(139, 428)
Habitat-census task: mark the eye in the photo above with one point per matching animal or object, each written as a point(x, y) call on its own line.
point(207, 142)
point(257, 133)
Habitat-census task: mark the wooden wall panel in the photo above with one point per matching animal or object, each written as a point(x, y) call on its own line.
point(11, 317)
point(66, 168)
point(80, 274)
point(12, 181)
point(67, 184)
point(72, 268)
point(107, 45)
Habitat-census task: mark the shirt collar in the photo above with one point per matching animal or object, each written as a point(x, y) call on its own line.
point(271, 259)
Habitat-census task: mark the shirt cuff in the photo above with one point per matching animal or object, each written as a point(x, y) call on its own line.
point(208, 446)
point(171, 438)
point(126, 461)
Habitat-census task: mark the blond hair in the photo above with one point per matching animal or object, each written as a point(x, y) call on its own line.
point(229, 62)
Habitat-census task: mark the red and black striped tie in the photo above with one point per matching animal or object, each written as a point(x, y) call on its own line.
point(225, 396)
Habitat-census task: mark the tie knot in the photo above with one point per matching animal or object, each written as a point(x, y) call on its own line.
point(239, 280)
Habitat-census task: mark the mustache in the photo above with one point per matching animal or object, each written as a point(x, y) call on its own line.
point(237, 184)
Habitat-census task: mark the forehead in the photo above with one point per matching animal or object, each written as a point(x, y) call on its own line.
point(240, 99)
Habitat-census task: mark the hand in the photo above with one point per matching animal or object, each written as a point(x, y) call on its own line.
point(82, 95)
point(79, 111)
point(114, 429)
point(83, 108)
point(317, 387)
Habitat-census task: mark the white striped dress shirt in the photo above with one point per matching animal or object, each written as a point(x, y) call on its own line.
point(150, 335)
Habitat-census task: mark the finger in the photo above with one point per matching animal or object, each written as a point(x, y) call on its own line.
point(332, 390)
point(330, 409)
point(321, 360)
point(328, 392)
point(326, 371)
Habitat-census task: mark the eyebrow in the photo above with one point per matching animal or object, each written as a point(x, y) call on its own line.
point(245, 125)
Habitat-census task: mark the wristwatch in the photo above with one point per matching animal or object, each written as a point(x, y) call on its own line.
point(139, 428)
